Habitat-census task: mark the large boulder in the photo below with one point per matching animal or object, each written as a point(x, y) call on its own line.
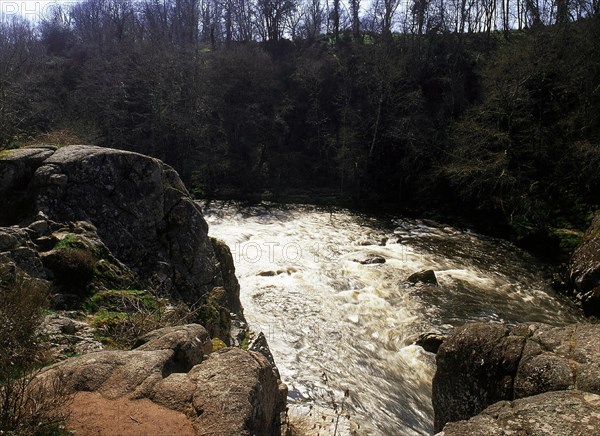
point(229, 392)
point(550, 413)
point(481, 364)
point(240, 391)
point(584, 270)
point(115, 374)
point(138, 206)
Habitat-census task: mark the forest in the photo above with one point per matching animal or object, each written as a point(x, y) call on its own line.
point(485, 112)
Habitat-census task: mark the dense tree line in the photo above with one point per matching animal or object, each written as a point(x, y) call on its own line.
point(485, 108)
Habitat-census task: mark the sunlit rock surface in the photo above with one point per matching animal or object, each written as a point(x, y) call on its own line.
point(551, 413)
point(481, 364)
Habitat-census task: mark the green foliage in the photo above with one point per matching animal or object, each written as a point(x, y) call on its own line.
point(108, 274)
point(218, 344)
point(121, 300)
point(525, 152)
point(245, 344)
point(569, 239)
point(69, 241)
point(5, 153)
point(121, 316)
point(108, 320)
point(213, 313)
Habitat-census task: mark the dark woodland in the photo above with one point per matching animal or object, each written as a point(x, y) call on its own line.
point(483, 110)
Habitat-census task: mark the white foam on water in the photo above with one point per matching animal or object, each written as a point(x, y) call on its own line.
point(325, 314)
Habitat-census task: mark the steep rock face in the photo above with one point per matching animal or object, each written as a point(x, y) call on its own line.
point(584, 270)
point(550, 413)
point(481, 364)
point(230, 283)
point(230, 392)
point(16, 171)
point(141, 209)
point(138, 206)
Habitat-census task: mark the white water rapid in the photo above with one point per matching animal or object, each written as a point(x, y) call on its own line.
point(334, 324)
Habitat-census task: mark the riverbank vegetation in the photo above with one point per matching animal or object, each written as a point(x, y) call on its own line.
point(27, 406)
point(485, 111)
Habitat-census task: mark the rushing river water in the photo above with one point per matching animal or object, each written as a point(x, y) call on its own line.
point(335, 325)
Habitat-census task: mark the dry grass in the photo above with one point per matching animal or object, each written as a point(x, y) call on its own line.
point(58, 138)
point(33, 405)
point(28, 405)
point(120, 317)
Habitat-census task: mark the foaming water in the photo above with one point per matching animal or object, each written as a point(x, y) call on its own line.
point(335, 325)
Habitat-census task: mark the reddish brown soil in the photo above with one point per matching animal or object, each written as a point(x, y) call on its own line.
point(92, 414)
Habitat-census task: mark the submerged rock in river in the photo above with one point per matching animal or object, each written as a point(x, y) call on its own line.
point(369, 259)
point(426, 276)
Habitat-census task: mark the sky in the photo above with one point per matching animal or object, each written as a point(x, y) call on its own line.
point(34, 10)
point(37, 10)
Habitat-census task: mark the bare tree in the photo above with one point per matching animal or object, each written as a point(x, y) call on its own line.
point(18, 59)
point(382, 15)
point(210, 16)
point(273, 14)
point(314, 16)
point(243, 18)
point(335, 20)
point(355, 11)
point(419, 13)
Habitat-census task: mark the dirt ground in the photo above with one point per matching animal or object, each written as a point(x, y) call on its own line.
point(92, 414)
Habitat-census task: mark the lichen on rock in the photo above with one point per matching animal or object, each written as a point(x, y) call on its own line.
point(481, 364)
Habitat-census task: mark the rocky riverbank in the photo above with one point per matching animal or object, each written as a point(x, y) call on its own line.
point(529, 378)
point(124, 250)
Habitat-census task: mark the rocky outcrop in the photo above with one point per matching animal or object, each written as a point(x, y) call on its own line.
point(16, 173)
point(481, 364)
point(227, 269)
point(229, 392)
point(115, 234)
point(138, 206)
point(67, 336)
point(572, 413)
point(71, 256)
point(239, 392)
point(119, 373)
point(584, 270)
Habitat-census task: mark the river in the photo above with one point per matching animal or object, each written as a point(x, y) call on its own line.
point(341, 331)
